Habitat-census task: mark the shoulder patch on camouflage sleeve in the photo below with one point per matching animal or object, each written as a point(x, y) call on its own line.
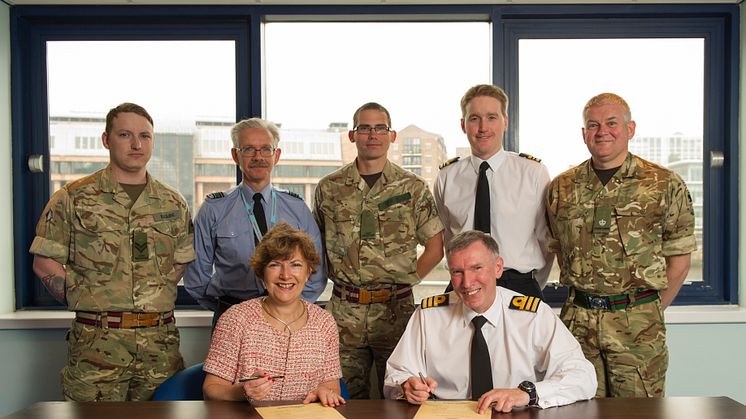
point(435, 301)
point(293, 194)
point(524, 303)
point(530, 157)
point(448, 162)
point(215, 195)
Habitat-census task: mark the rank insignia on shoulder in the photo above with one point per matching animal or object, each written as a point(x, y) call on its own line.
point(530, 157)
point(215, 195)
point(435, 301)
point(524, 303)
point(448, 162)
point(293, 194)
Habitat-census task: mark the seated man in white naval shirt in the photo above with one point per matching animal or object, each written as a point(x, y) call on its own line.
point(534, 359)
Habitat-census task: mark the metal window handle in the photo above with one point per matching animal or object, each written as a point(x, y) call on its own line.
point(36, 163)
point(717, 159)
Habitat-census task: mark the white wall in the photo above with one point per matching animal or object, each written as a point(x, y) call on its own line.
point(706, 359)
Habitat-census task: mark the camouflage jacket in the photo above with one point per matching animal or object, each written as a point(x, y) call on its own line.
point(643, 214)
point(116, 258)
point(371, 234)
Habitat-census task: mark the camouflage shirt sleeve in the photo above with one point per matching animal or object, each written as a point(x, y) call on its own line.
point(551, 213)
point(53, 230)
point(426, 214)
point(678, 227)
point(184, 249)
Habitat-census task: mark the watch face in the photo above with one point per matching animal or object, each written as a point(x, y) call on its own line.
point(527, 386)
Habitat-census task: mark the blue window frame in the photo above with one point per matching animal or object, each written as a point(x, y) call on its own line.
point(33, 26)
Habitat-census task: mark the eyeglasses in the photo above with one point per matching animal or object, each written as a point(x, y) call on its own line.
point(250, 151)
point(366, 129)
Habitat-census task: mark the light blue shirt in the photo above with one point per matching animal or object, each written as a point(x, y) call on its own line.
point(224, 243)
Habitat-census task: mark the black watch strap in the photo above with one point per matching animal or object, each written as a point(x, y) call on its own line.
point(530, 388)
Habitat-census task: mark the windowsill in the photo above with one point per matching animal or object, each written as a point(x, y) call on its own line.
point(53, 319)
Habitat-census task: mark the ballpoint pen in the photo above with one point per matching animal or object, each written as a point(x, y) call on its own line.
point(422, 378)
point(274, 377)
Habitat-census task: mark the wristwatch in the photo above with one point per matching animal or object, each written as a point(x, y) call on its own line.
point(530, 388)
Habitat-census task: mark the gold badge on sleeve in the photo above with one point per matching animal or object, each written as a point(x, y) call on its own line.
point(524, 303)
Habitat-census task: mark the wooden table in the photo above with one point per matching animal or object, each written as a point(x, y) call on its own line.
point(666, 408)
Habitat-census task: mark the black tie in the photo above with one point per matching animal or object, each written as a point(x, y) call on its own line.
point(481, 368)
point(482, 202)
point(261, 220)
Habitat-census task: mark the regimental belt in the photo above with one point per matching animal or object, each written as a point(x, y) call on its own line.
point(363, 296)
point(124, 319)
point(614, 302)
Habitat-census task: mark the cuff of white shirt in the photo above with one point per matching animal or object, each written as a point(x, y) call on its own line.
point(545, 392)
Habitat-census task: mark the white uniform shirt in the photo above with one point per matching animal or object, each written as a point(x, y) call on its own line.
point(517, 189)
point(523, 346)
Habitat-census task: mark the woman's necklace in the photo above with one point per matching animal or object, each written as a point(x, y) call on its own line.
point(287, 325)
point(290, 335)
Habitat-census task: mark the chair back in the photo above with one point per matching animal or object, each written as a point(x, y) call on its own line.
point(184, 385)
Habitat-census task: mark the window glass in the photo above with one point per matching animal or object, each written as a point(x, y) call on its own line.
point(408, 67)
point(662, 80)
point(192, 102)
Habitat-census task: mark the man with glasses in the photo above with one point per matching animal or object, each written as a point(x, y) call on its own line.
point(498, 192)
point(230, 224)
point(373, 214)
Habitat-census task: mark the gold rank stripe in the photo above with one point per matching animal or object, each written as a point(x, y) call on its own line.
point(434, 301)
point(524, 303)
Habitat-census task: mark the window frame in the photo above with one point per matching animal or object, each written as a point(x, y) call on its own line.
point(720, 32)
point(32, 26)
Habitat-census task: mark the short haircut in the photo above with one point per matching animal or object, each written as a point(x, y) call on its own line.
point(485, 90)
point(125, 107)
point(370, 106)
point(255, 123)
point(466, 238)
point(608, 99)
point(280, 243)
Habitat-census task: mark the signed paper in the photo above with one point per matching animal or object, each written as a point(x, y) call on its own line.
point(300, 411)
point(450, 409)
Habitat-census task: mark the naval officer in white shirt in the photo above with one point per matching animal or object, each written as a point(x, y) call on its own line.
point(487, 343)
point(511, 207)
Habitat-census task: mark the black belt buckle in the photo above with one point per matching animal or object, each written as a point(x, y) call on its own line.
point(598, 303)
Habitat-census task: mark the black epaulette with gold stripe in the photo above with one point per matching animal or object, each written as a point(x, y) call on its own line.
point(530, 157)
point(524, 303)
point(448, 162)
point(435, 301)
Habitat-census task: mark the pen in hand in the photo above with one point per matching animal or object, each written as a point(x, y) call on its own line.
point(274, 377)
point(422, 378)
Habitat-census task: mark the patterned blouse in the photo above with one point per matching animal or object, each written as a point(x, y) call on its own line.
point(244, 342)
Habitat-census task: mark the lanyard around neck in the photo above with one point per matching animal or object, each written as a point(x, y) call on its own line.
point(252, 218)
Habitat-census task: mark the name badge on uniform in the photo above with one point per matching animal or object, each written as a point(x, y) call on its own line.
point(139, 246)
point(602, 220)
point(368, 225)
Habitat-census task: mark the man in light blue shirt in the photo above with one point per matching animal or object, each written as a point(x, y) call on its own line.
point(230, 224)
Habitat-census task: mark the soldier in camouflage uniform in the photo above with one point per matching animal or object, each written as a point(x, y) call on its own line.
point(623, 229)
point(372, 214)
point(113, 246)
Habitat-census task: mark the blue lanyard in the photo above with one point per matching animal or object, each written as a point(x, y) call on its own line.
point(250, 212)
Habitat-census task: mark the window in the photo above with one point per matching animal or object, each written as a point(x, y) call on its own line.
point(674, 123)
point(414, 67)
point(259, 50)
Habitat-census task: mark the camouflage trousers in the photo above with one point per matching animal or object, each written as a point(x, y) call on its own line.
point(368, 333)
point(119, 364)
point(627, 347)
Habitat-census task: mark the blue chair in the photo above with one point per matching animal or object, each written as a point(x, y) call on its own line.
point(343, 389)
point(184, 385)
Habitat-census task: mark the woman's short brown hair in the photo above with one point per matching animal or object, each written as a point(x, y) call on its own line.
point(280, 243)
